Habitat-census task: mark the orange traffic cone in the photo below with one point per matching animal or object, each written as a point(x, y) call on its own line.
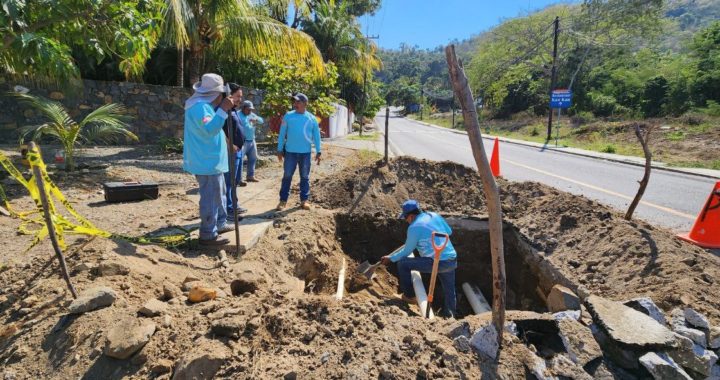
point(495, 159)
point(706, 230)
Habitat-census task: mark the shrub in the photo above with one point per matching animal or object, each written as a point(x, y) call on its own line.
point(170, 144)
point(602, 105)
point(609, 148)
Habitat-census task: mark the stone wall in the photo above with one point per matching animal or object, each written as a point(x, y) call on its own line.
point(157, 110)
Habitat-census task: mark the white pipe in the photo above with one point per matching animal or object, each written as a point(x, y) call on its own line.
point(341, 282)
point(420, 293)
point(477, 301)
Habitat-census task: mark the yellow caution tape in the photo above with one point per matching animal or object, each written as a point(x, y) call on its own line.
point(33, 222)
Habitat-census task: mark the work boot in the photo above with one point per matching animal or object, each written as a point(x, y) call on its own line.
point(281, 206)
point(305, 205)
point(242, 184)
point(214, 242)
point(410, 300)
point(251, 179)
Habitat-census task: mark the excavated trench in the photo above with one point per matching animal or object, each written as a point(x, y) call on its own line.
point(529, 277)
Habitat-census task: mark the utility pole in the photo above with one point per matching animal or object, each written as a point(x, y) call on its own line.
point(452, 105)
point(387, 131)
point(421, 100)
point(553, 75)
point(365, 97)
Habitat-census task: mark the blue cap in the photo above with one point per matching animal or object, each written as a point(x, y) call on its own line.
point(300, 97)
point(409, 206)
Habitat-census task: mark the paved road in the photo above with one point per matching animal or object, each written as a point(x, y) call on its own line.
point(671, 200)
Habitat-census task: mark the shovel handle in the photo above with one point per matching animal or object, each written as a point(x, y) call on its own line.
point(442, 246)
point(436, 264)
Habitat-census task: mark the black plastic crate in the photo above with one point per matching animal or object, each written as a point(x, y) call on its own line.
point(130, 191)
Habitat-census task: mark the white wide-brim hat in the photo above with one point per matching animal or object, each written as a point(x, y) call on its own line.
point(209, 83)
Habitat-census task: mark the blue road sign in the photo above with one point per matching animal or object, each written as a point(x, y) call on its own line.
point(561, 98)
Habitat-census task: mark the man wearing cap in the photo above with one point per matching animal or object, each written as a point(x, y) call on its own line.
point(205, 154)
point(249, 121)
point(421, 226)
point(298, 132)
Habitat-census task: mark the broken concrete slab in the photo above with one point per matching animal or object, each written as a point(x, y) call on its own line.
point(662, 367)
point(231, 327)
point(562, 298)
point(92, 299)
point(628, 326)
point(692, 356)
point(564, 368)
point(127, 337)
point(714, 338)
point(677, 318)
point(696, 319)
point(484, 341)
point(646, 306)
point(459, 328)
point(567, 314)
point(251, 231)
point(579, 342)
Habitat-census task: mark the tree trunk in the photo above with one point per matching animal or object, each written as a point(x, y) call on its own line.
point(180, 67)
point(470, 119)
point(646, 177)
point(195, 64)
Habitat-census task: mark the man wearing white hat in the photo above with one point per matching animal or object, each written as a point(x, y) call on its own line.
point(205, 154)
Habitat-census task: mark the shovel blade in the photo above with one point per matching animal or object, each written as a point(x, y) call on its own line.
point(370, 272)
point(363, 267)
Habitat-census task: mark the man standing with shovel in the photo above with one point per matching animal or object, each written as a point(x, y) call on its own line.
point(423, 226)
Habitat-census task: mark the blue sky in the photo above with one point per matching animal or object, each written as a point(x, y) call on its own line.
point(429, 23)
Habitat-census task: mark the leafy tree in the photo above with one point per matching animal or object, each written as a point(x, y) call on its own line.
point(654, 96)
point(104, 125)
point(38, 37)
point(706, 50)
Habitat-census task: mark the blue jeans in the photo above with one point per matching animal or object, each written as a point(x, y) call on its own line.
point(446, 275)
point(249, 149)
point(212, 205)
point(228, 184)
point(292, 161)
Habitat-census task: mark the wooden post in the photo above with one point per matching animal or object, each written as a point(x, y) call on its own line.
point(464, 95)
point(37, 173)
point(387, 130)
point(646, 177)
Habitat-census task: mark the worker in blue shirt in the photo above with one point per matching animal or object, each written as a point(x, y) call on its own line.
point(421, 226)
point(205, 154)
point(298, 132)
point(250, 121)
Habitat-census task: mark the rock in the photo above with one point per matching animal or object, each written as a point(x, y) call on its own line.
point(662, 367)
point(567, 314)
point(511, 327)
point(697, 336)
point(84, 267)
point(714, 338)
point(292, 375)
point(166, 321)
point(92, 299)
point(111, 269)
point(246, 282)
point(161, 366)
point(484, 341)
point(646, 306)
point(462, 343)
point(201, 294)
point(564, 368)
point(579, 342)
point(696, 319)
point(232, 327)
point(8, 330)
point(153, 308)
point(562, 298)
point(186, 286)
point(459, 328)
point(140, 358)
point(324, 357)
point(171, 291)
point(127, 337)
point(191, 278)
point(202, 362)
point(692, 356)
point(629, 326)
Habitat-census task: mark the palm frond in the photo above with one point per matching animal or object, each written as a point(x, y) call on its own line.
point(256, 37)
point(61, 125)
point(106, 124)
point(178, 23)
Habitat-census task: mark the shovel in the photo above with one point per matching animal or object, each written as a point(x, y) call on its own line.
point(368, 270)
point(436, 264)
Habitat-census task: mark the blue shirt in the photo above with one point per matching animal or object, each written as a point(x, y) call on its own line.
point(418, 237)
point(204, 149)
point(302, 130)
point(248, 126)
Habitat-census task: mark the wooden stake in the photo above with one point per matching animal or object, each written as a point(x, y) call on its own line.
point(646, 177)
point(37, 173)
point(470, 119)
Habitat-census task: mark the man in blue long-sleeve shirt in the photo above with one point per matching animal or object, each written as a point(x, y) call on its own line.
point(205, 154)
point(298, 132)
point(422, 225)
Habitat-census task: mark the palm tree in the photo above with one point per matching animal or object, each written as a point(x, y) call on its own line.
point(222, 28)
point(106, 124)
point(280, 10)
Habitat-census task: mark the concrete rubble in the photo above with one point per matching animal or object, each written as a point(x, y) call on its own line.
point(562, 298)
point(127, 337)
point(646, 306)
point(92, 299)
point(662, 367)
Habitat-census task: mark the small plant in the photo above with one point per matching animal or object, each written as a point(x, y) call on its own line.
point(170, 144)
point(534, 131)
point(106, 124)
point(609, 148)
point(675, 136)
